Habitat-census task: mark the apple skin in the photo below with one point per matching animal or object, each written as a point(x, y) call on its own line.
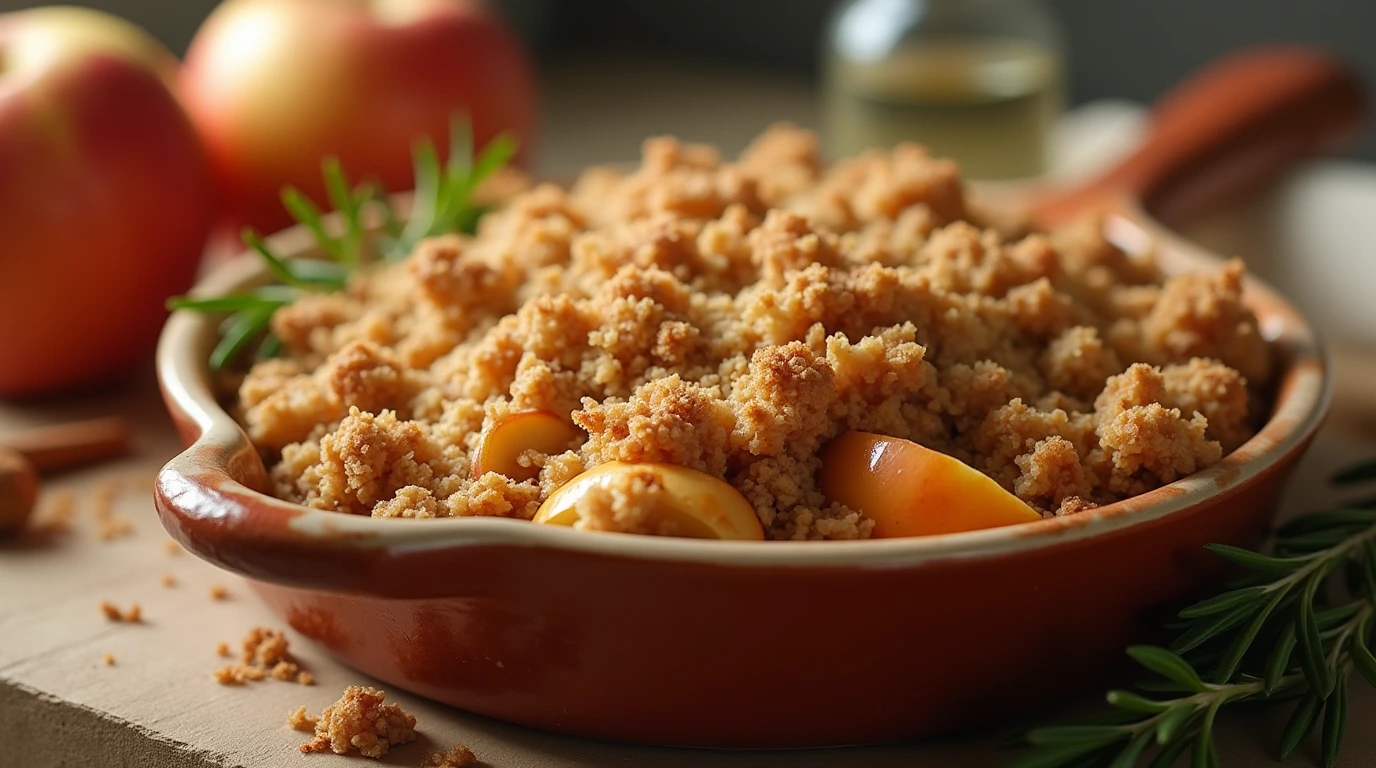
point(911, 490)
point(106, 198)
point(276, 86)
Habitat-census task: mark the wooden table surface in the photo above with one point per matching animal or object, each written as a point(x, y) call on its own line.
point(158, 705)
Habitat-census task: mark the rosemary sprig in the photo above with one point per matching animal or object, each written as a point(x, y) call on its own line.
point(1293, 630)
point(442, 203)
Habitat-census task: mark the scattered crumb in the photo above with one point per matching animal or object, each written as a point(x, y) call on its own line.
point(218, 592)
point(110, 524)
point(168, 580)
point(458, 756)
point(57, 512)
point(360, 722)
point(171, 547)
point(109, 659)
point(113, 613)
point(300, 721)
point(264, 654)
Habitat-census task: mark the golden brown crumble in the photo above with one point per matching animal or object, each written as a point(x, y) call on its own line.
point(108, 659)
point(734, 317)
point(218, 592)
point(168, 580)
point(301, 721)
point(222, 649)
point(457, 756)
point(171, 547)
point(360, 722)
point(265, 654)
point(112, 612)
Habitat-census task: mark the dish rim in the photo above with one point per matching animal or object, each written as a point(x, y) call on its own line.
point(200, 472)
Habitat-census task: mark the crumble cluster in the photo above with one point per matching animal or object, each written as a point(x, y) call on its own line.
point(733, 317)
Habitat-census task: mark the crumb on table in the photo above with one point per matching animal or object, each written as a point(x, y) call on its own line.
point(171, 547)
point(222, 649)
point(265, 654)
point(112, 612)
point(168, 580)
point(360, 722)
point(108, 659)
point(458, 756)
point(218, 592)
point(57, 512)
point(301, 721)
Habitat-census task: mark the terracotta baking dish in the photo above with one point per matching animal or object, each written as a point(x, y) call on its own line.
point(773, 644)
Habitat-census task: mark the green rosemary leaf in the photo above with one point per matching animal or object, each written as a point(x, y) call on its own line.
point(275, 265)
point(244, 328)
point(1312, 661)
point(321, 273)
point(1074, 734)
point(233, 302)
point(350, 207)
point(1131, 702)
point(1279, 660)
point(1359, 474)
point(1172, 752)
point(309, 216)
point(271, 346)
point(1368, 558)
point(1128, 757)
point(1318, 540)
point(1300, 725)
point(1250, 559)
point(1232, 658)
point(1224, 602)
point(1200, 632)
point(1168, 665)
point(1205, 755)
point(1162, 686)
point(1363, 660)
point(1330, 618)
point(337, 186)
point(1171, 722)
point(1318, 521)
point(1334, 722)
point(425, 205)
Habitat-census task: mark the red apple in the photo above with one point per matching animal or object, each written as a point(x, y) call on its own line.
point(105, 197)
point(275, 86)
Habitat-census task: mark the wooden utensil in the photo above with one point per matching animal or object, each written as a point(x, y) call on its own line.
point(1231, 127)
point(50, 449)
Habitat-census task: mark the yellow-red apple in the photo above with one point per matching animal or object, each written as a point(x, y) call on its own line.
point(105, 197)
point(910, 490)
point(500, 446)
point(275, 86)
point(692, 504)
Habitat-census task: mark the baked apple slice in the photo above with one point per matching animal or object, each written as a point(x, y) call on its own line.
point(693, 504)
point(503, 442)
point(909, 490)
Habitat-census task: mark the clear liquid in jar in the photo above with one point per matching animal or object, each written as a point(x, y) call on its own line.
point(987, 104)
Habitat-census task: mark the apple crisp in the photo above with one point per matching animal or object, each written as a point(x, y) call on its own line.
point(733, 317)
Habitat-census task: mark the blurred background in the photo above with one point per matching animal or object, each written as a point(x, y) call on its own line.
point(1116, 48)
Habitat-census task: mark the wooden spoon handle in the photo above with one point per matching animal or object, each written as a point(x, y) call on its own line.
point(1228, 128)
point(64, 446)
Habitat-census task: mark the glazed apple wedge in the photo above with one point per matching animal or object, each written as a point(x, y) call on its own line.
point(503, 442)
point(672, 501)
point(909, 490)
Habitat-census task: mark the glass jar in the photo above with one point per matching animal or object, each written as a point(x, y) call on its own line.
point(979, 81)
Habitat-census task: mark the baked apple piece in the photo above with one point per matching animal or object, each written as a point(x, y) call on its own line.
point(686, 502)
point(503, 442)
point(909, 490)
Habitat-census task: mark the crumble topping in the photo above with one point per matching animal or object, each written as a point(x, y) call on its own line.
point(735, 316)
